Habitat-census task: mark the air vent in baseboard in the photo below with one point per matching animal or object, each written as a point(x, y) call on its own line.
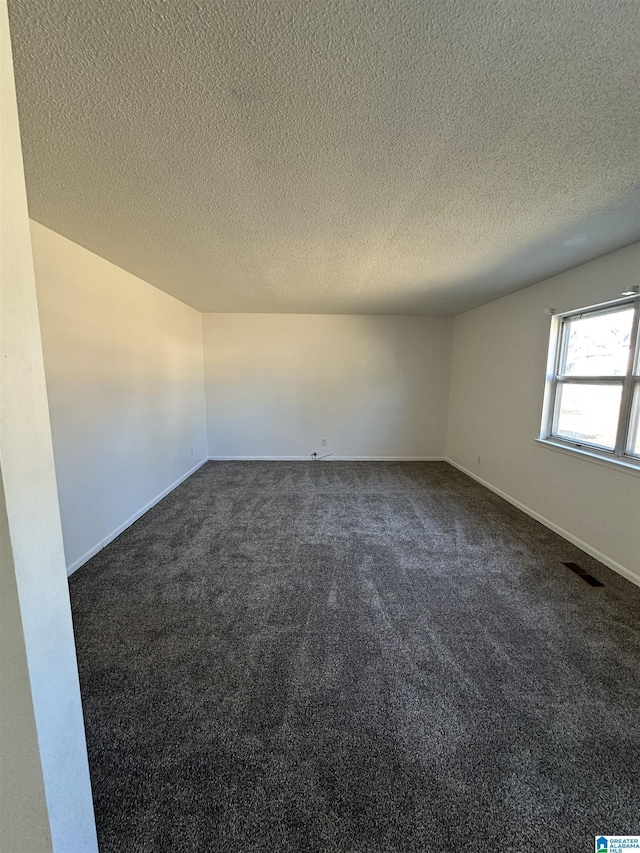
point(583, 574)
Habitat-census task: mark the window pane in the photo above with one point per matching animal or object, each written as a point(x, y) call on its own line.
point(633, 444)
point(598, 344)
point(589, 413)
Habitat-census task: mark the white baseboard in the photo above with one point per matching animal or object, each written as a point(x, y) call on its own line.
point(330, 458)
point(387, 458)
point(121, 527)
point(580, 543)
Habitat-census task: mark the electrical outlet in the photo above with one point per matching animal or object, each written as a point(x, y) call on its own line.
point(479, 460)
point(323, 442)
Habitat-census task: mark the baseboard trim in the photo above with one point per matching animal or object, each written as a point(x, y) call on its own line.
point(132, 518)
point(580, 543)
point(328, 459)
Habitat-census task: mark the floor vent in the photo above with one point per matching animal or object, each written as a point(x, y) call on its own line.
point(583, 574)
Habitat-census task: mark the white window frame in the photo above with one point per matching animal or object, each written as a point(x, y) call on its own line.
point(620, 454)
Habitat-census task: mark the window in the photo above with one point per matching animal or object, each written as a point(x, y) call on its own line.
point(593, 387)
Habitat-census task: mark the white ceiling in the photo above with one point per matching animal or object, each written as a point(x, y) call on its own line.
point(343, 156)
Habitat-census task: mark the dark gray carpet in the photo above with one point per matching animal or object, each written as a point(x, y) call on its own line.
point(354, 657)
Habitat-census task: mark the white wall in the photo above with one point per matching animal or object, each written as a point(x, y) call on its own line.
point(125, 380)
point(497, 386)
point(45, 791)
point(124, 371)
point(373, 386)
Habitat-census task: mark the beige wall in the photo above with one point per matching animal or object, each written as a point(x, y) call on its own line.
point(45, 792)
point(124, 371)
point(23, 808)
point(497, 385)
point(372, 386)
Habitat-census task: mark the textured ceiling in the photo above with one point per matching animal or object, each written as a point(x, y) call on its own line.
point(351, 156)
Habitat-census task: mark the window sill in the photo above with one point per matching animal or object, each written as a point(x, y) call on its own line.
point(591, 456)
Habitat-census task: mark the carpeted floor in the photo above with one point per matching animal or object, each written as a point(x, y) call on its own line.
point(352, 657)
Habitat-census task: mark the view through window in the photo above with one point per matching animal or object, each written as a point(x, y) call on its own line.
point(596, 384)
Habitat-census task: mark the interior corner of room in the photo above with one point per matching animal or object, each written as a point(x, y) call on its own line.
point(165, 388)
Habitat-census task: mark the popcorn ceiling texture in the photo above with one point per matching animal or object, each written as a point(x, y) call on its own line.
point(347, 157)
